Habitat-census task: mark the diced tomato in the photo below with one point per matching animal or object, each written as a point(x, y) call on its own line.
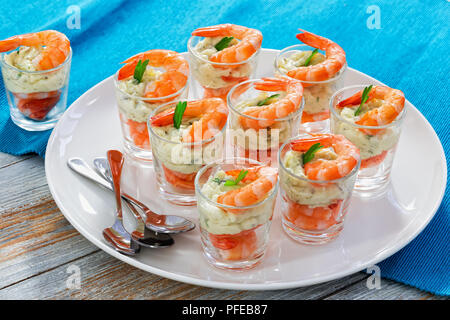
point(139, 133)
point(313, 117)
point(373, 161)
point(35, 108)
point(180, 180)
point(236, 246)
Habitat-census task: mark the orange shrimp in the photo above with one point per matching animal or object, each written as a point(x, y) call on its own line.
point(279, 109)
point(250, 42)
point(55, 51)
point(262, 180)
point(393, 102)
point(324, 169)
point(235, 246)
point(213, 114)
point(335, 59)
point(313, 117)
point(171, 81)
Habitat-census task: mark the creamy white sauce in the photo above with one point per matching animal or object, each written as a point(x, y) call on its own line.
point(369, 145)
point(276, 134)
point(317, 97)
point(26, 59)
point(209, 76)
point(302, 191)
point(218, 221)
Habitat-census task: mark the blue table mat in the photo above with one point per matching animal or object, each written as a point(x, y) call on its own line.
point(407, 50)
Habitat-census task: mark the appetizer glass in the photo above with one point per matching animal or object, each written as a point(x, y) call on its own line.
point(377, 145)
point(261, 145)
point(213, 79)
point(177, 163)
point(317, 94)
point(37, 99)
point(134, 112)
point(233, 237)
point(313, 211)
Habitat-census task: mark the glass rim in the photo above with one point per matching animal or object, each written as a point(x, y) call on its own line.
point(173, 95)
point(337, 115)
point(231, 161)
point(336, 77)
point(195, 143)
point(232, 107)
point(283, 167)
point(7, 65)
point(193, 52)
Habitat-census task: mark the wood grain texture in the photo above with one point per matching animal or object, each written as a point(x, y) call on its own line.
point(38, 245)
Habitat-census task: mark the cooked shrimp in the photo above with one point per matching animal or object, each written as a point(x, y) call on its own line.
point(347, 156)
point(171, 81)
point(250, 42)
point(335, 59)
point(262, 179)
point(279, 109)
point(55, 51)
point(392, 103)
point(212, 114)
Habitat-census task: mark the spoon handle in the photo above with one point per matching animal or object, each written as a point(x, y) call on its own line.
point(115, 159)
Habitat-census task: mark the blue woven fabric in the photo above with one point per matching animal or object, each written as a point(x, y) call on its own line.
point(408, 51)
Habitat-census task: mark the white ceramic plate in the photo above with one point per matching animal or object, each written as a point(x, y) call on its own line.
point(374, 229)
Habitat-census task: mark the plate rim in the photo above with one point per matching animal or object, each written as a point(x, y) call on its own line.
point(382, 255)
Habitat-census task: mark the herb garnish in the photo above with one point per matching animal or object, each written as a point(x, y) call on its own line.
point(364, 97)
point(218, 180)
point(178, 114)
point(308, 61)
point(266, 100)
point(309, 155)
point(139, 70)
point(223, 43)
point(240, 176)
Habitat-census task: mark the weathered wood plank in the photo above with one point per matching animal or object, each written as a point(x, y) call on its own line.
point(8, 159)
point(36, 238)
point(389, 290)
point(104, 277)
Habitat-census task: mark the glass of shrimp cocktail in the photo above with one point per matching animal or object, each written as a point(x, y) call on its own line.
point(185, 135)
point(319, 64)
point(371, 117)
point(222, 56)
point(235, 200)
point(35, 69)
point(264, 113)
point(146, 81)
point(317, 176)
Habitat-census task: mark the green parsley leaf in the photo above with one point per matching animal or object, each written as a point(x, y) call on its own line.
point(240, 176)
point(139, 70)
point(309, 155)
point(308, 61)
point(223, 43)
point(266, 100)
point(364, 97)
point(178, 114)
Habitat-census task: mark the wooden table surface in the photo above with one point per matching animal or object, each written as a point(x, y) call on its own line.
point(38, 246)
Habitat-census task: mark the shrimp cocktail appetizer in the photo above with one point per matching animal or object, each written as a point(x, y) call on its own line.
point(222, 56)
point(264, 114)
point(371, 118)
point(185, 135)
point(317, 176)
point(35, 69)
point(319, 64)
point(235, 200)
point(146, 81)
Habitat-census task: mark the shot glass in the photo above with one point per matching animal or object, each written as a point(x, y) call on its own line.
point(313, 211)
point(317, 94)
point(233, 237)
point(37, 99)
point(134, 112)
point(257, 144)
point(177, 163)
point(212, 79)
point(377, 145)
